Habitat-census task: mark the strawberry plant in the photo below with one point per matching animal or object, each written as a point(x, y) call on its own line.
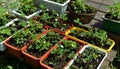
point(20, 38)
point(5, 17)
point(114, 11)
point(55, 20)
point(8, 31)
point(26, 7)
point(98, 38)
point(60, 56)
point(79, 6)
point(89, 59)
point(43, 44)
point(4, 33)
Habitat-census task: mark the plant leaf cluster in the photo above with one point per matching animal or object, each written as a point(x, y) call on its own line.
point(86, 59)
point(94, 36)
point(114, 11)
point(54, 20)
point(66, 50)
point(26, 7)
point(79, 6)
point(13, 28)
point(45, 42)
point(25, 35)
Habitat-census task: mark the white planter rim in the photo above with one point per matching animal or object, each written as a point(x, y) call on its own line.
point(99, 50)
point(72, 61)
point(67, 1)
point(26, 17)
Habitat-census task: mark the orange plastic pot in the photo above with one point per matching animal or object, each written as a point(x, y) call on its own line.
point(33, 60)
point(30, 58)
point(46, 55)
point(14, 50)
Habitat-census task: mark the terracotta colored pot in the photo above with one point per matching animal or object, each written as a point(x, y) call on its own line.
point(30, 58)
point(33, 60)
point(14, 50)
point(46, 55)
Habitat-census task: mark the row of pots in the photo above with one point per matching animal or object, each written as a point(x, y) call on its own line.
point(39, 61)
point(110, 20)
point(36, 64)
point(20, 55)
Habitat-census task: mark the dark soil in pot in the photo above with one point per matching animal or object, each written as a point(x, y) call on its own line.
point(93, 40)
point(6, 18)
point(45, 43)
point(108, 15)
point(88, 59)
point(59, 25)
point(58, 61)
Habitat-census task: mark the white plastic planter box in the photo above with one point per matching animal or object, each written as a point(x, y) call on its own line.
point(26, 17)
point(51, 5)
point(87, 46)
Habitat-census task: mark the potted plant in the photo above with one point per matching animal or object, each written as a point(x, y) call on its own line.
point(8, 31)
point(4, 33)
point(26, 10)
point(78, 9)
point(55, 21)
point(93, 36)
point(89, 58)
point(58, 5)
point(65, 50)
point(16, 42)
point(34, 52)
point(5, 18)
point(111, 19)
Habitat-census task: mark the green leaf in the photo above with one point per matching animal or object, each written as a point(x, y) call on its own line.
point(9, 67)
point(78, 21)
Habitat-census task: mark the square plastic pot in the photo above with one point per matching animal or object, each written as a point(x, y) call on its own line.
point(33, 60)
point(46, 55)
point(76, 28)
point(111, 25)
point(51, 5)
point(83, 49)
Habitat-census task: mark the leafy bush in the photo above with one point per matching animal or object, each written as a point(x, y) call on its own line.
point(114, 11)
